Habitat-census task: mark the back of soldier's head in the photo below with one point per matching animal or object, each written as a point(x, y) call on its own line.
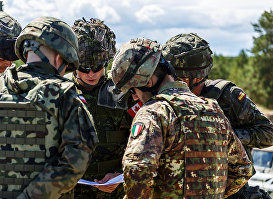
point(189, 54)
point(96, 44)
point(9, 30)
point(51, 33)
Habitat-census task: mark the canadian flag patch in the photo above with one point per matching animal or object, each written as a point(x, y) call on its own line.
point(82, 99)
point(241, 96)
point(137, 129)
point(133, 110)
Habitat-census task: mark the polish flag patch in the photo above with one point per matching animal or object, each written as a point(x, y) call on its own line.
point(134, 109)
point(137, 129)
point(82, 99)
point(241, 96)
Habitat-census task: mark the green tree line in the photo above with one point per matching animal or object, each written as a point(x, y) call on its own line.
point(253, 73)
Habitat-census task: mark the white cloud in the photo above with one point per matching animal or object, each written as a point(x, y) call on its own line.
point(149, 13)
point(226, 24)
point(109, 14)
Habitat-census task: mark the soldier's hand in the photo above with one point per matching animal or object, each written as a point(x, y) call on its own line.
point(107, 188)
point(107, 177)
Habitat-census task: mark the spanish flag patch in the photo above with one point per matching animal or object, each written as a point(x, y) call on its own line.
point(137, 129)
point(241, 96)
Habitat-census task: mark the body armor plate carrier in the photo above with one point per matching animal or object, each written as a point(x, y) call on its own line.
point(22, 142)
point(204, 145)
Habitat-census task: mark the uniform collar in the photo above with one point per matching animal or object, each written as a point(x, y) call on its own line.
point(177, 85)
point(40, 67)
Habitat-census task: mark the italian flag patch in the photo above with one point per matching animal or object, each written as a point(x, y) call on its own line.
point(241, 96)
point(137, 129)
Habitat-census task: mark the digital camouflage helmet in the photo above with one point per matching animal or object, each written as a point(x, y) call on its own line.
point(134, 63)
point(96, 44)
point(9, 30)
point(189, 54)
point(52, 33)
point(9, 27)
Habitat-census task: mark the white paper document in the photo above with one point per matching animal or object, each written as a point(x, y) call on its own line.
point(118, 179)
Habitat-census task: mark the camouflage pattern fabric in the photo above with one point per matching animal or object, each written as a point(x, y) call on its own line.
point(69, 134)
point(109, 124)
point(185, 149)
point(189, 54)
point(135, 63)
point(9, 27)
point(52, 33)
point(96, 43)
point(251, 126)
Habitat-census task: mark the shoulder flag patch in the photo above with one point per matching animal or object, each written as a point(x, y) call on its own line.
point(82, 99)
point(241, 96)
point(133, 110)
point(137, 129)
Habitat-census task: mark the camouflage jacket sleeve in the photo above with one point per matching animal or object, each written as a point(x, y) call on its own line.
point(141, 158)
point(249, 124)
point(77, 142)
point(240, 168)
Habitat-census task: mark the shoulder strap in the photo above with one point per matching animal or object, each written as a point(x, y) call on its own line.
point(107, 98)
point(214, 88)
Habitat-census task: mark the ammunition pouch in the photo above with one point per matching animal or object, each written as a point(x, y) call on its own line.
point(104, 166)
point(114, 137)
point(109, 140)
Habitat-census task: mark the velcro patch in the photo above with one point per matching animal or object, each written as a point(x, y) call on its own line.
point(241, 96)
point(82, 99)
point(137, 129)
point(134, 109)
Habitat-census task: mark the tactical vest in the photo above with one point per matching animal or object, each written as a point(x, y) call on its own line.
point(109, 139)
point(22, 142)
point(214, 88)
point(202, 147)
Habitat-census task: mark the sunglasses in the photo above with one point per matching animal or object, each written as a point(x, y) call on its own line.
point(97, 68)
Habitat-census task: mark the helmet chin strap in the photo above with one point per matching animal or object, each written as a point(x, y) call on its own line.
point(62, 66)
point(153, 89)
point(193, 85)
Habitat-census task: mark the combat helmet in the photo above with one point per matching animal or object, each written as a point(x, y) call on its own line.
point(52, 33)
point(96, 44)
point(9, 27)
point(9, 30)
point(134, 63)
point(189, 54)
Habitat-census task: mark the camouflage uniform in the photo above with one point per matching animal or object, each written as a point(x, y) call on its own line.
point(191, 57)
point(163, 161)
point(180, 146)
point(250, 125)
point(46, 133)
point(112, 122)
point(9, 30)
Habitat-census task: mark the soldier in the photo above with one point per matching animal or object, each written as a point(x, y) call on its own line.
point(9, 30)
point(191, 57)
point(180, 146)
point(112, 122)
point(46, 132)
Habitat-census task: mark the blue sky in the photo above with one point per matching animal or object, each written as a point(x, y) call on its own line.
point(225, 24)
